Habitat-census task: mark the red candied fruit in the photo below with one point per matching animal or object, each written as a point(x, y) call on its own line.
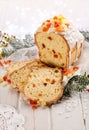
point(9, 81)
point(56, 24)
point(48, 20)
point(64, 70)
point(5, 78)
point(55, 55)
point(87, 90)
point(32, 102)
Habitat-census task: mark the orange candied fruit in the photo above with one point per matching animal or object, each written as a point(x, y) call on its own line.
point(67, 24)
point(47, 79)
point(68, 72)
point(1, 64)
point(48, 25)
point(59, 29)
point(55, 17)
point(45, 29)
point(75, 68)
point(7, 62)
point(33, 103)
point(34, 106)
point(0, 58)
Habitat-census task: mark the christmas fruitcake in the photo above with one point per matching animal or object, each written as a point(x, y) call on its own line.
point(44, 85)
point(59, 42)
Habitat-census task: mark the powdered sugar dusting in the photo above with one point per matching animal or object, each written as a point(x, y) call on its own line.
point(73, 36)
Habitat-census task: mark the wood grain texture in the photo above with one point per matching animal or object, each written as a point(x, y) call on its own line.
point(42, 119)
point(85, 107)
point(26, 110)
point(68, 115)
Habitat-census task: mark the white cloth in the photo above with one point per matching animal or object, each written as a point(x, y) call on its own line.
point(10, 119)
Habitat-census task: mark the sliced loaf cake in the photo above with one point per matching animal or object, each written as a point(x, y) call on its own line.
point(44, 85)
point(59, 42)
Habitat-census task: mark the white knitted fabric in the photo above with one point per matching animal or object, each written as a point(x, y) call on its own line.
point(10, 119)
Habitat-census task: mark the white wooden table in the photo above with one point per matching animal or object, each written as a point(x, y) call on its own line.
point(16, 17)
point(71, 114)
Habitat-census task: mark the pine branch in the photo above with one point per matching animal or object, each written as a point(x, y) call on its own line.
point(86, 35)
point(14, 43)
point(28, 41)
point(6, 53)
point(77, 83)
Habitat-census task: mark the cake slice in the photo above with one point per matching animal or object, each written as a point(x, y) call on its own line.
point(20, 75)
point(44, 85)
point(16, 66)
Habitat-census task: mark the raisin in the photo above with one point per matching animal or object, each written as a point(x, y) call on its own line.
point(62, 64)
point(50, 38)
point(39, 54)
point(56, 71)
point(34, 85)
point(53, 51)
point(43, 45)
point(40, 94)
point(45, 84)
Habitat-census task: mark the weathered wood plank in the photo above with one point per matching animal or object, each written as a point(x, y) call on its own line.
point(26, 110)
point(8, 96)
point(85, 106)
point(3, 94)
point(68, 115)
point(12, 98)
point(42, 119)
